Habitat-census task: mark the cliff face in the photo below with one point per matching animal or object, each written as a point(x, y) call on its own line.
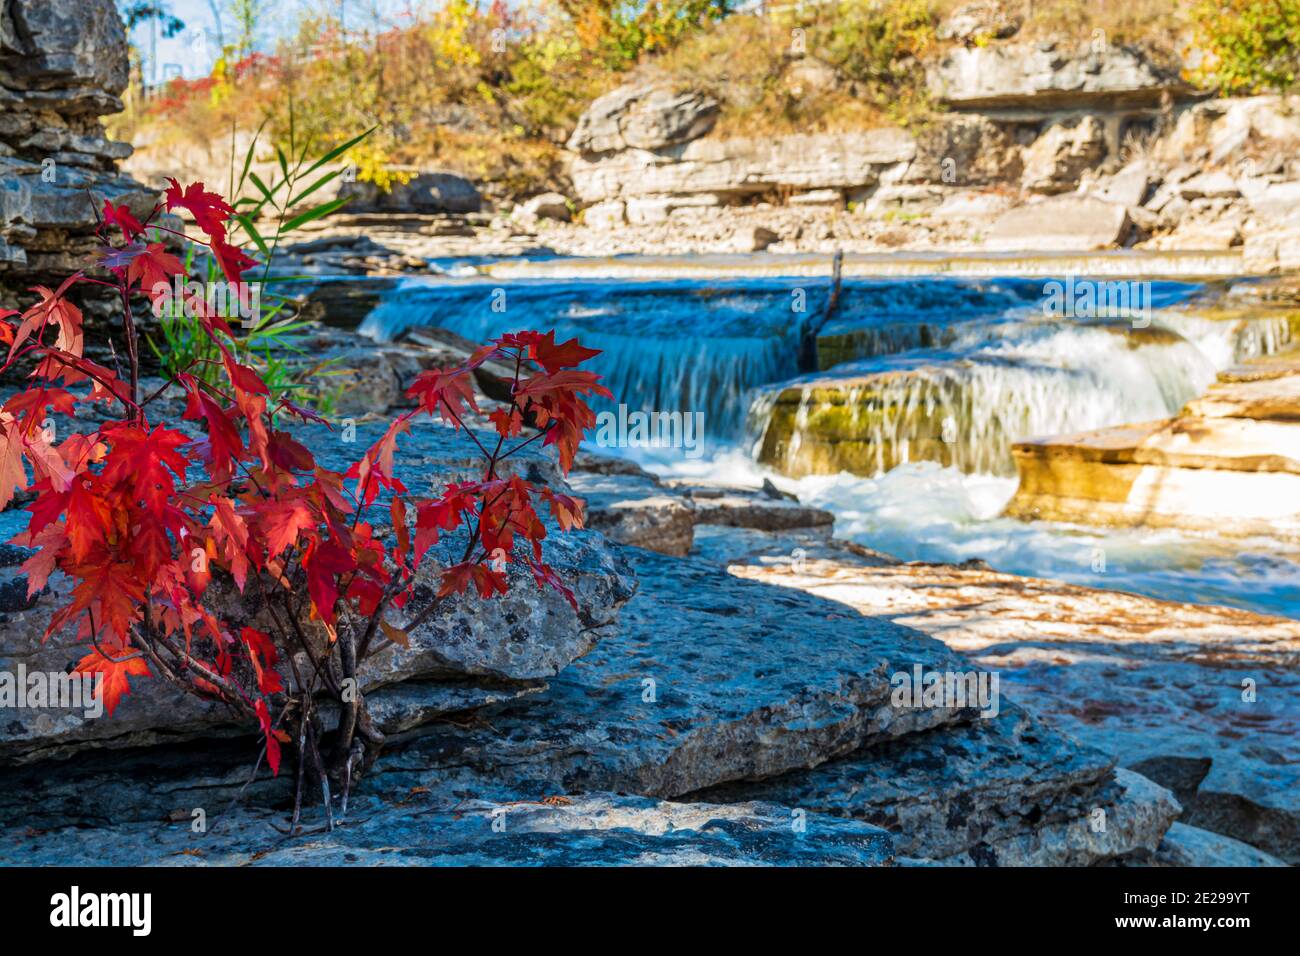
point(1037, 146)
point(63, 65)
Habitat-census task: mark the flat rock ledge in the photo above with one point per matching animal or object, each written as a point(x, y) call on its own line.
point(589, 830)
point(1203, 700)
point(633, 507)
point(954, 790)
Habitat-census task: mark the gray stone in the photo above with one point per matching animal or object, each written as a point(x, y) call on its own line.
point(76, 48)
point(743, 166)
point(1056, 160)
point(1076, 223)
point(1184, 845)
point(1158, 685)
point(643, 116)
point(1135, 820)
point(637, 509)
point(1048, 76)
point(951, 790)
point(509, 830)
point(709, 680)
point(425, 192)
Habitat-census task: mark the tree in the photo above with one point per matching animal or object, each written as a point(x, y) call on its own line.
point(248, 16)
point(158, 15)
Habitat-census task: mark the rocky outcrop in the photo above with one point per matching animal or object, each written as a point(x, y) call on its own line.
point(418, 191)
point(62, 66)
point(1229, 463)
point(1202, 700)
point(1050, 75)
point(641, 510)
point(643, 116)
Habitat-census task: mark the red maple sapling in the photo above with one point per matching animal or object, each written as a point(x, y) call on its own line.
point(140, 516)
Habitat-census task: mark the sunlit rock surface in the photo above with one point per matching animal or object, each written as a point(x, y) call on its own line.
point(1229, 463)
point(1203, 700)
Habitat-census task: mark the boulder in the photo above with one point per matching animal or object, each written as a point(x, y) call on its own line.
point(424, 192)
point(1066, 223)
point(1056, 160)
point(643, 116)
point(1049, 76)
point(1186, 846)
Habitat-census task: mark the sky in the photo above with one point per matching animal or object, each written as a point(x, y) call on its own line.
point(191, 53)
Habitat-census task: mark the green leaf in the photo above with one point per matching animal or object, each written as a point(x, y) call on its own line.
point(312, 188)
point(338, 151)
point(253, 234)
point(324, 209)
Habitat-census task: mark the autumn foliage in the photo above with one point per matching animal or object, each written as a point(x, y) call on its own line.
point(149, 524)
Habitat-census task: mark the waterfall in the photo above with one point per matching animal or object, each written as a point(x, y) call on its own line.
point(687, 345)
point(994, 383)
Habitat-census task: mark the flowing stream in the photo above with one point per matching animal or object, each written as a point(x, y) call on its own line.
point(936, 376)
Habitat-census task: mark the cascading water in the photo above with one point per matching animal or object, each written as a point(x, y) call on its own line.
point(934, 377)
point(964, 405)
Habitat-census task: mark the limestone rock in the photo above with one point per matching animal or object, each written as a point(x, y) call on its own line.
point(510, 830)
point(1183, 845)
point(425, 191)
point(1056, 160)
point(1047, 76)
point(710, 679)
point(1067, 223)
point(1155, 684)
point(742, 167)
point(643, 116)
point(950, 790)
point(1133, 822)
point(545, 206)
point(638, 509)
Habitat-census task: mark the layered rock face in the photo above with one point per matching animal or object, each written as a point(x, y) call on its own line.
point(1043, 146)
point(1229, 463)
point(63, 64)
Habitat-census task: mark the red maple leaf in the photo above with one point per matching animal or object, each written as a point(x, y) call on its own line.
point(140, 460)
point(209, 210)
point(121, 217)
point(444, 392)
point(264, 656)
point(113, 684)
point(152, 267)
